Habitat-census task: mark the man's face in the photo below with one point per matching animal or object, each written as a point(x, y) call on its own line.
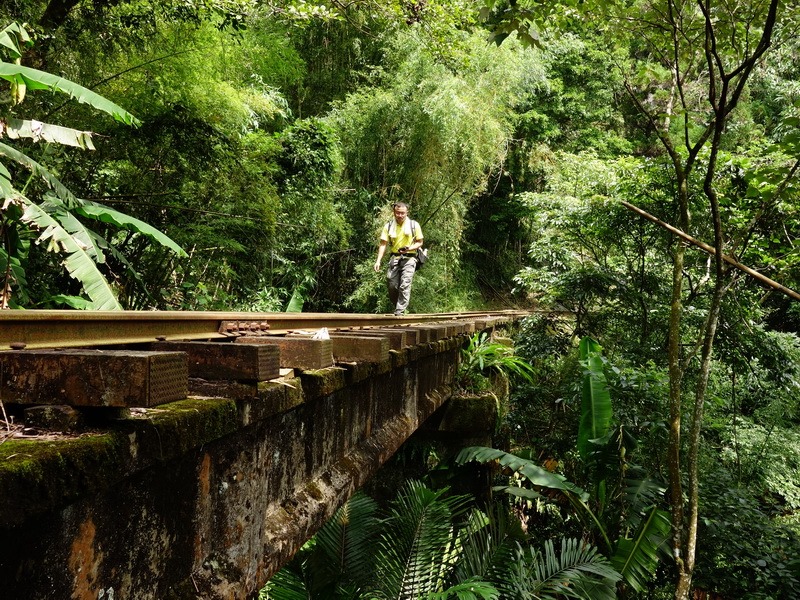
point(400, 213)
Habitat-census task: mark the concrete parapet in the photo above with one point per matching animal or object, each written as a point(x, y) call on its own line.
point(208, 496)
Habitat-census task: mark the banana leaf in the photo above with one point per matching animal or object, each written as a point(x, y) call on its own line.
point(77, 262)
point(595, 400)
point(34, 79)
point(82, 236)
point(12, 36)
point(36, 130)
point(100, 212)
point(52, 181)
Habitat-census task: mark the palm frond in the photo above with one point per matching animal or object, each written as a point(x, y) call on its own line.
point(468, 590)
point(39, 80)
point(345, 545)
point(416, 550)
point(578, 568)
point(488, 544)
point(285, 585)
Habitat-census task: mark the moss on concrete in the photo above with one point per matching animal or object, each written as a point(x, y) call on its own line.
point(470, 414)
point(322, 382)
point(37, 475)
point(193, 422)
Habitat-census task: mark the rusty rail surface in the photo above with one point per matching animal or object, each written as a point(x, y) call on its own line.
point(34, 329)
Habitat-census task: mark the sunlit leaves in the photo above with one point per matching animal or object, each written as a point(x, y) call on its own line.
point(78, 260)
point(38, 131)
point(54, 217)
point(34, 79)
point(14, 39)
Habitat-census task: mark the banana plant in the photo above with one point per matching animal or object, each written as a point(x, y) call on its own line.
point(643, 527)
point(55, 215)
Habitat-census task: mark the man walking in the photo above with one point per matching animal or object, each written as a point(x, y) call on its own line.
point(403, 237)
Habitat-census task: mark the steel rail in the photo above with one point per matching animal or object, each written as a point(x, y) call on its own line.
point(69, 329)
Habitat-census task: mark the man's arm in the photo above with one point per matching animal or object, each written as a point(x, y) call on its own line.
point(417, 244)
point(381, 252)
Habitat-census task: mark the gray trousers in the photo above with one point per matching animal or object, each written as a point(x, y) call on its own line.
point(398, 279)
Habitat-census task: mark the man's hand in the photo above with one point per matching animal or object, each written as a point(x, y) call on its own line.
point(377, 266)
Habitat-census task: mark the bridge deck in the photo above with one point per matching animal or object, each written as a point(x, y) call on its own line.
point(206, 496)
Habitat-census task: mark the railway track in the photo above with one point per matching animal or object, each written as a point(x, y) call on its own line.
point(144, 359)
point(37, 329)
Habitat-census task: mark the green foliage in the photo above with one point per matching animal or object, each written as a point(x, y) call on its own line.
point(744, 551)
point(482, 357)
point(578, 571)
point(532, 473)
point(55, 215)
point(622, 506)
point(411, 554)
point(634, 558)
point(274, 137)
point(767, 458)
point(419, 527)
point(435, 546)
point(596, 399)
point(426, 135)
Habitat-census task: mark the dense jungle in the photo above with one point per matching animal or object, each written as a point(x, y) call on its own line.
point(243, 155)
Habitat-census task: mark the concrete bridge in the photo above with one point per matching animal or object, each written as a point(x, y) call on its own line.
point(205, 488)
